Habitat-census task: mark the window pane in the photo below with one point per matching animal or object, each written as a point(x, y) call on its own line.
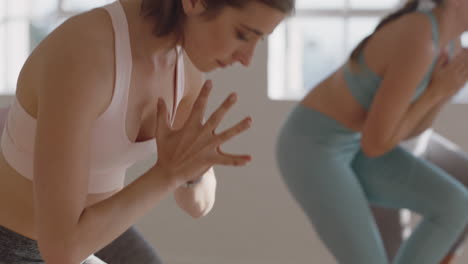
point(18, 8)
point(42, 8)
point(3, 8)
point(323, 49)
point(359, 28)
point(329, 4)
point(18, 49)
point(78, 5)
point(374, 4)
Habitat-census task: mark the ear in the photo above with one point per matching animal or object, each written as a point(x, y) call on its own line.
point(193, 7)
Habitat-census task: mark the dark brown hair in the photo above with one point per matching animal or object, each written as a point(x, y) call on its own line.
point(169, 15)
point(409, 7)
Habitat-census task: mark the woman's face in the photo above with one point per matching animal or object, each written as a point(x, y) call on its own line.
point(229, 37)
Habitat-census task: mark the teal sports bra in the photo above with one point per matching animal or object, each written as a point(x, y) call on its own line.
point(363, 84)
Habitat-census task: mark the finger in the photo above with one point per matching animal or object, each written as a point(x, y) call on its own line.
point(233, 160)
point(198, 109)
point(217, 116)
point(233, 131)
point(236, 156)
point(162, 122)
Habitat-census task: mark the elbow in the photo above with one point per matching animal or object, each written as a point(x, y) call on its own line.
point(196, 203)
point(202, 209)
point(59, 250)
point(206, 210)
point(198, 215)
point(56, 259)
point(55, 253)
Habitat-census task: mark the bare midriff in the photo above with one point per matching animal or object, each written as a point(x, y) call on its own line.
point(17, 203)
point(333, 98)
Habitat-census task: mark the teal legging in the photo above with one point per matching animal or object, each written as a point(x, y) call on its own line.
point(333, 181)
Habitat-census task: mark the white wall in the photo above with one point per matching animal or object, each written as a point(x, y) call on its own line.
point(254, 220)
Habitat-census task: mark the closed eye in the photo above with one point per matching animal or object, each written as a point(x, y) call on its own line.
point(241, 36)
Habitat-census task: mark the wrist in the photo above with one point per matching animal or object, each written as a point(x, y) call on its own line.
point(166, 176)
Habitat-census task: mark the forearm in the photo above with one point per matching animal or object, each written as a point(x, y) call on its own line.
point(104, 221)
point(426, 121)
point(413, 118)
point(197, 200)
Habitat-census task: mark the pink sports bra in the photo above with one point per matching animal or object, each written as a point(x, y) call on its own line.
point(111, 150)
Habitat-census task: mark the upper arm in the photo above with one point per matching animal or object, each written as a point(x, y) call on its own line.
point(71, 94)
point(406, 69)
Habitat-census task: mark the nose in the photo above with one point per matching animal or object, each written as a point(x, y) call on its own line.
point(244, 56)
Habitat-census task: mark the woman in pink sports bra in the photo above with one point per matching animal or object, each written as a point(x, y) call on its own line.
point(107, 88)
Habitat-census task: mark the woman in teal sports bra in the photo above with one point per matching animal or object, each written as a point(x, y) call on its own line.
point(338, 150)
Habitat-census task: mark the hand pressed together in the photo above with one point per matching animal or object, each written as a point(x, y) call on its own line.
point(186, 153)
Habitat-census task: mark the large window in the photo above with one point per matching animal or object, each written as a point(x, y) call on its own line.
point(314, 43)
point(23, 24)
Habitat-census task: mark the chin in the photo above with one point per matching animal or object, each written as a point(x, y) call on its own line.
point(205, 68)
point(202, 66)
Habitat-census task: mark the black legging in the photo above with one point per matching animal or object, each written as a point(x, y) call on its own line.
point(128, 248)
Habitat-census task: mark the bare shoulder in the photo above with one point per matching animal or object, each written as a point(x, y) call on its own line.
point(411, 32)
point(77, 59)
point(409, 36)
